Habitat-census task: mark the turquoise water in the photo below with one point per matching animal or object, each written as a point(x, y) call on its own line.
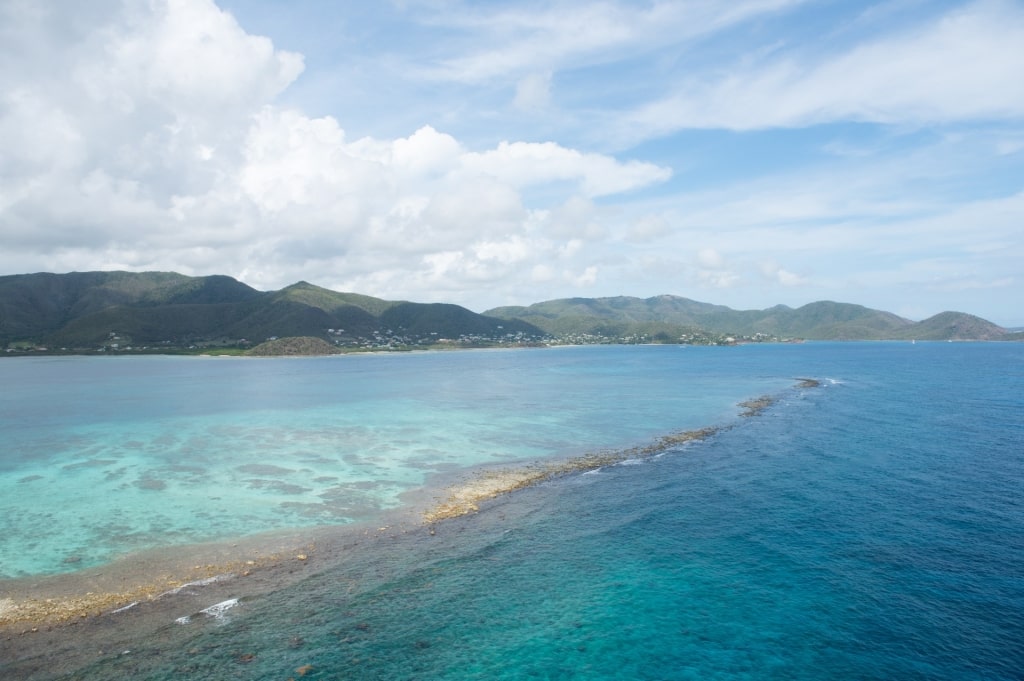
point(869, 529)
point(150, 451)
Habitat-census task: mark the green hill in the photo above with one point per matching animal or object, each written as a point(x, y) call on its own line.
point(823, 320)
point(956, 326)
point(162, 310)
point(296, 346)
point(87, 310)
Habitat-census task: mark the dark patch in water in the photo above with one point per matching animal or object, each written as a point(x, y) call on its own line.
point(263, 469)
point(151, 483)
point(352, 490)
point(183, 468)
point(323, 511)
point(30, 478)
point(277, 486)
point(115, 474)
point(90, 463)
point(355, 460)
point(318, 459)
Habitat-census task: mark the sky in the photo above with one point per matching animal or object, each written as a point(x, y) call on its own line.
point(745, 153)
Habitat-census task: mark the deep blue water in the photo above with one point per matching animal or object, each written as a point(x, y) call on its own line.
point(872, 528)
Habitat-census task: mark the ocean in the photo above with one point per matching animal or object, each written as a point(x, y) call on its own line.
point(871, 527)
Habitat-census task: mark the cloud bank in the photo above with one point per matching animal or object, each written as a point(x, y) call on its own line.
point(152, 140)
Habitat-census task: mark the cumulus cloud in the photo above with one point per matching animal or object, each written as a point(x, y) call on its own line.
point(774, 273)
point(526, 163)
point(710, 258)
point(713, 270)
point(153, 139)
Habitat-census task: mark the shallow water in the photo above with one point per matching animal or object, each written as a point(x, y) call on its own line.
point(871, 528)
point(150, 451)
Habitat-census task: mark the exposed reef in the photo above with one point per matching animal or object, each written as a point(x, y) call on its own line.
point(756, 406)
point(465, 497)
point(62, 599)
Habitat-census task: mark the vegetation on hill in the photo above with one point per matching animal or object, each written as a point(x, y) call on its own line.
point(162, 311)
point(301, 346)
point(166, 311)
point(823, 320)
point(955, 326)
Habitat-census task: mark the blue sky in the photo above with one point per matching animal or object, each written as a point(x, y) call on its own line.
point(747, 153)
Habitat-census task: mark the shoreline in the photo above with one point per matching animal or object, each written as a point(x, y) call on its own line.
point(349, 352)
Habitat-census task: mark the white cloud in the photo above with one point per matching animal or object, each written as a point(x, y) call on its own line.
point(710, 258)
point(717, 278)
point(538, 38)
point(542, 273)
point(426, 152)
point(188, 55)
point(527, 163)
point(513, 250)
point(160, 145)
point(961, 66)
point(776, 274)
point(713, 270)
point(585, 278)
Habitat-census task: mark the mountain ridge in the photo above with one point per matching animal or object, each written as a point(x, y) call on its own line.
point(153, 310)
point(820, 320)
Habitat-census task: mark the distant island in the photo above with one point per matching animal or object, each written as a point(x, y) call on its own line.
point(166, 312)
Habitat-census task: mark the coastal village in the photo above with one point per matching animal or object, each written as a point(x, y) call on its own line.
point(389, 340)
